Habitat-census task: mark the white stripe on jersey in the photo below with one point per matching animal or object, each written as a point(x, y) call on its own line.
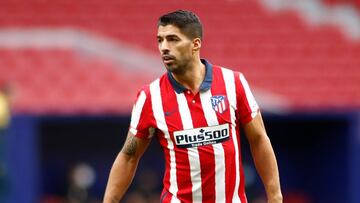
point(231, 93)
point(220, 108)
point(219, 154)
point(193, 153)
point(249, 97)
point(161, 124)
point(223, 105)
point(136, 112)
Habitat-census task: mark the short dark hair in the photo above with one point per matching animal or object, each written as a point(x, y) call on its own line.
point(187, 21)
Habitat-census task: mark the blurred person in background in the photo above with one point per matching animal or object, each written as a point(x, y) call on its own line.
point(135, 197)
point(82, 176)
point(195, 111)
point(4, 108)
point(4, 123)
point(147, 185)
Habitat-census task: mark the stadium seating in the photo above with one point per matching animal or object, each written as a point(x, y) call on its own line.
point(356, 3)
point(313, 67)
point(61, 81)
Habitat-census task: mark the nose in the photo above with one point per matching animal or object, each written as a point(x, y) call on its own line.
point(163, 47)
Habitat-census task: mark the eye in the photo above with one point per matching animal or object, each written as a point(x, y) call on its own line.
point(173, 39)
point(159, 40)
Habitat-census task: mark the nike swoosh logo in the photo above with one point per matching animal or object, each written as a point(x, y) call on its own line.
point(168, 113)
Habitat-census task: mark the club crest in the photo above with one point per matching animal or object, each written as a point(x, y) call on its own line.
point(218, 103)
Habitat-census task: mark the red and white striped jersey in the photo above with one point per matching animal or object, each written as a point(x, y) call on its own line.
point(199, 134)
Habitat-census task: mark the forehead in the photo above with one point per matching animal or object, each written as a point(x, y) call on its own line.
point(167, 30)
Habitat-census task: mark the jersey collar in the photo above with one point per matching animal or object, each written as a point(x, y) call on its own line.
point(205, 85)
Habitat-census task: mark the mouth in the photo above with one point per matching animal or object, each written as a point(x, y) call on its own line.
point(168, 58)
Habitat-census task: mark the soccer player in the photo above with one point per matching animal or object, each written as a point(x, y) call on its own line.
point(195, 111)
point(4, 123)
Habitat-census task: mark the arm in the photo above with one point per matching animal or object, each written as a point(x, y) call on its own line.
point(124, 167)
point(264, 158)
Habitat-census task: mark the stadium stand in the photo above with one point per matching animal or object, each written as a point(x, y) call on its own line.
point(356, 3)
point(312, 67)
point(56, 81)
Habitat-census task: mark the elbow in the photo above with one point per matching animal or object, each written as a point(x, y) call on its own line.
point(260, 140)
point(130, 159)
point(276, 198)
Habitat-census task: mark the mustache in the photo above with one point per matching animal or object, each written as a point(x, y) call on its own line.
point(168, 57)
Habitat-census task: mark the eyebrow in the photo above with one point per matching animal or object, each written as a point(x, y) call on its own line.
point(167, 36)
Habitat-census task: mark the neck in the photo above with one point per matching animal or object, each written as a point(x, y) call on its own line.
point(192, 77)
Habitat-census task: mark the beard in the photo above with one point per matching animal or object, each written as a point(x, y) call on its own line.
point(176, 68)
point(171, 67)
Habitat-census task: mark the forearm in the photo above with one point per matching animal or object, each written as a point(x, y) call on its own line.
point(121, 175)
point(266, 165)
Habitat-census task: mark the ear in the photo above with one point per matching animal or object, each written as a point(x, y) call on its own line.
point(196, 44)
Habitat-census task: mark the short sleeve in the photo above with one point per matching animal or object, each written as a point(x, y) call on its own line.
point(246, 103)
point(141, 124)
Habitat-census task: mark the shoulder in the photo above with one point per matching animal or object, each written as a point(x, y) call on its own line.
point(228, 72)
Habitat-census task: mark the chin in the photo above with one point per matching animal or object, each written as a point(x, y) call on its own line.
point(174, 69)
point(170, 67)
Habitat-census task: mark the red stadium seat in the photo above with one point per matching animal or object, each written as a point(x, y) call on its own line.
point(312, 67)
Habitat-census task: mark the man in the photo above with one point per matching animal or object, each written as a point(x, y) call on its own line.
point(195, 110)
point(4, 108)
point(4, 123)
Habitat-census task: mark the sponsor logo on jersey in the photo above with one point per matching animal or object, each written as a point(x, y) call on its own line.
point(218, 103)
point(202, 136)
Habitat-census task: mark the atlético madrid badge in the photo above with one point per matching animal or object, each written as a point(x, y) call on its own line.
point(218, 103)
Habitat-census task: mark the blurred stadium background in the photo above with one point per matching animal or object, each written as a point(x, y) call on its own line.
point(71, 70)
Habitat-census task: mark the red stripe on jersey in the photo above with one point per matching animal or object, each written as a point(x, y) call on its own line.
point(242, 182)
point(173, 122)
point(163, 144)
point(244, 116)
point(244, 110)
point(166, 179)
point(218, 88)
point(206, 153)
point(165, 196)
point(146, 116)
